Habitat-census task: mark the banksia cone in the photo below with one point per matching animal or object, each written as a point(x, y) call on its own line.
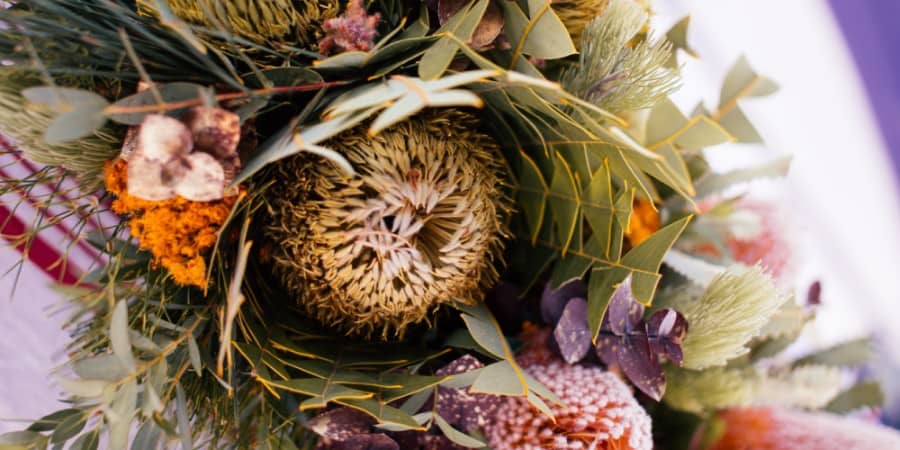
point(777, 429)
point(599, 411)
point(26, 124)
point(291, 22)
point(419, 225)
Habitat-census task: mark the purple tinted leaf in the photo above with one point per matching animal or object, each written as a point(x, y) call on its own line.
point(641, 365)
point(553, 301)
point(572, 333)
point(606, 348)
point(458, 406)
point(340, 424)
point(814, 295)
point(367, 441)
point(667, 329)
point(624, 313)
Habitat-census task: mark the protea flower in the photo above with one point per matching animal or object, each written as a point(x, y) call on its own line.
point(778, 429)
point(292, 22)
point(419, 225)
point(598, 412)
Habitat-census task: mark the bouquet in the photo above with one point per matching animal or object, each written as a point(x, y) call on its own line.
point(404, 224)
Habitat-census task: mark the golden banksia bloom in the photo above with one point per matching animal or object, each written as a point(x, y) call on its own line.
point(781, 429)
point(598, 412)
point(178, 232)
point(575, 14)
point(291, 22)
point(419, 225)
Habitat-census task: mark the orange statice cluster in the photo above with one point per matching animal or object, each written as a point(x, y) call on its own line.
point(178, 232)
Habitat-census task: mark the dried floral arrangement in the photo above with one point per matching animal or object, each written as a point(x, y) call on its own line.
point(404, 224)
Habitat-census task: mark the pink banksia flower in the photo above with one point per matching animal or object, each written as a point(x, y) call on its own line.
point(780, 429)
point(354, 30)
point(599, 411)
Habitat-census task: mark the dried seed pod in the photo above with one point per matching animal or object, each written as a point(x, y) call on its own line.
point(488, 29)
point(420, 225)
point(204, 179)
point(216, 131)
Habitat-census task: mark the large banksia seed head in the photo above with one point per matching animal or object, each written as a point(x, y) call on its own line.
point(26, 124)
point(780, 429)
point(419, 225)
point(273, 22)
point(599, 411)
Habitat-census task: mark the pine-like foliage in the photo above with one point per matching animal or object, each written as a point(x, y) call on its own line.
point(615, 72)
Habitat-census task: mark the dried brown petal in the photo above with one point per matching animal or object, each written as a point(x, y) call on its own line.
point(204, 180)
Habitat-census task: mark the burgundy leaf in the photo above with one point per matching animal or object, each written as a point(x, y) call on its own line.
point(814, 295)
point(641, 365)
point(624, 313)
point(461, 408)
point(667, 329)
point(572, 333)
point(553, 301)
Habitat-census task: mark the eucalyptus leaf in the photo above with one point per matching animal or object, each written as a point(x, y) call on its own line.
point(458, 437)
point(131, 110)
point(118, 335)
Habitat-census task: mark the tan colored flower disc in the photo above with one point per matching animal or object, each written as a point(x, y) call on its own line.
point(420, 225)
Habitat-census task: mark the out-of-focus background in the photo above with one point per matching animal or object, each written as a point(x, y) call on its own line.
point(837, 113)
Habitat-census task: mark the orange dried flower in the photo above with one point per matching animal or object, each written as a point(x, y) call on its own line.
point(644, 221)
point(178, 232)
point(778, 429)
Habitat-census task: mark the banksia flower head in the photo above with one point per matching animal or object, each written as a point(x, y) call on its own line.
point(779, 429)
point(420, 225)
point(599, 411)
point(26, 125)
point(291, 22)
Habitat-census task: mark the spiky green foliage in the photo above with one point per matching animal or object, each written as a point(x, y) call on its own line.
point(730, 312)
point(269, 22)
point(92, 37)
point(27, 125)
point(614, 74)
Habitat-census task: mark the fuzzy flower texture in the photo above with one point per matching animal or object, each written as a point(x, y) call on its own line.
point(419, 225)
point(599, 409)
point(354, 30)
